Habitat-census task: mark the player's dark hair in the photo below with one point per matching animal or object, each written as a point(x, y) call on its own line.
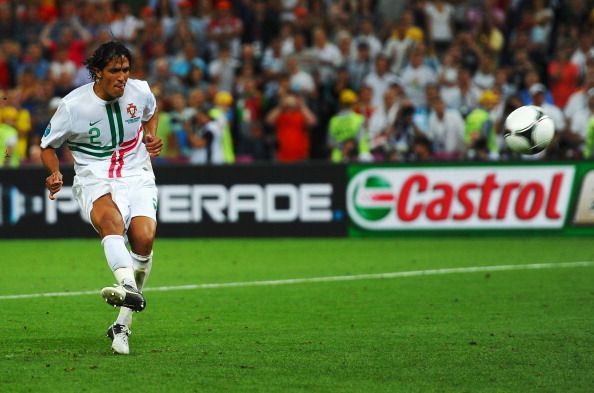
point(104, 54)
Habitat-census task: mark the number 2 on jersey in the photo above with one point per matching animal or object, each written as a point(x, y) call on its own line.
point(95, 133)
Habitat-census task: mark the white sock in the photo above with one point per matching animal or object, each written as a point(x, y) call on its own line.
point(125, 316)
point(142, 268)
point(119, 259)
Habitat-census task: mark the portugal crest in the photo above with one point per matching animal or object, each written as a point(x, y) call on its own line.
point(131, 109)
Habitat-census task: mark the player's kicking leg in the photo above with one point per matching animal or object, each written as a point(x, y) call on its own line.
point(119, 331)
point(141, 235)
point(125, 294)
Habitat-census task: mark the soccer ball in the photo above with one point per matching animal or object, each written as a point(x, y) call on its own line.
point(528, 130)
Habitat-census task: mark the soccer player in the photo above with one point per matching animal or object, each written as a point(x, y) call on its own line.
point(110, 126)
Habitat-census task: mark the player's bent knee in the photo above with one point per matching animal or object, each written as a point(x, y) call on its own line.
point(141, 242)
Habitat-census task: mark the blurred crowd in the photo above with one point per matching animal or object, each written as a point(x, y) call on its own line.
point(240, 81)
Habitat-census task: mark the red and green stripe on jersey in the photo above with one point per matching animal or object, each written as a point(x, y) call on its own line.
point(116, 127)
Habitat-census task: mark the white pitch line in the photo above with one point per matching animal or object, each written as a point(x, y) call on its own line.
point(354, 277)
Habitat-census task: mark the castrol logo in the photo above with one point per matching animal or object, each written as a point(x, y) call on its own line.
point(460, 198)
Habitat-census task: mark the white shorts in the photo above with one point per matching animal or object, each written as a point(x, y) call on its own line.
point(134, 196)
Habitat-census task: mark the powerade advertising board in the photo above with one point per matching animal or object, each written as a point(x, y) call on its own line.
point(194, 201)
point(396, 199)
point(325, 200)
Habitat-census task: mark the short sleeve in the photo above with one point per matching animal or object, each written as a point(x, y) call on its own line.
point(150, 102)
point(58, 129)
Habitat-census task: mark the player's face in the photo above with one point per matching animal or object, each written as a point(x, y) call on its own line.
point(111, 80)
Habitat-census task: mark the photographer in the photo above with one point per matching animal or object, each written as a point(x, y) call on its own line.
point(400, 137)
point(291, 120)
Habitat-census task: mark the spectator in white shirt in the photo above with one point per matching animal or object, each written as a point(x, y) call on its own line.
point(384, 116)
point(367, 34)
point(580, 120)
point(538, 91)
point(397, 47)
point(440, 23)
point(326, 53)
point(464, 95)
point(416, 76)
point(380, 79)
point(299, 80)
point(446, 130)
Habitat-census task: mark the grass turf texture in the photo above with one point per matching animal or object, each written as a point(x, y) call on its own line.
point(504, 331)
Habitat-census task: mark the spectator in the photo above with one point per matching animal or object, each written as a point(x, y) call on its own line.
point(291, 120)
point(465, 95)
point(589, 148)
point(304, 54)
point(380, 79)
point(273, 61)
point(178, 114)
point(224, 28)
point(579, 99)
point(185, 59)
point(368, 35)
point(6, 72)
point(531, 78)
point(416, 76)
point(384, 116)
point(538, 92)
point(15, 115)
point(397, 47)
point(170, 153)
point(347, 137)
point(34, 61)
point(195, 79)
point(484, 77)
point(480, 132)
point(327, 55)
point(61, 66)
point(576, 132)
point(252, 144)
point(401, 135)
point(205, 138)
point(222, 71)
point(563, 76)
point(162, 78)
point(440, 18)
point(446, 130)
point(501, 85)
point(365, 105)
point(222, 112)
point(124, 25)
point(361, 66)
point(422, 149)
point(8, 139)
point(299, 81)
point(584, 50)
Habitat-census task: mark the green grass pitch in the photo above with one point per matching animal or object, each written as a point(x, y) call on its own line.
point(525, 330)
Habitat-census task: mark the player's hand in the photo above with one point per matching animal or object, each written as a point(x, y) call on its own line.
point(153, 144)
point(54, 184)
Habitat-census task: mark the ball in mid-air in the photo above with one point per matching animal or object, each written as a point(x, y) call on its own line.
point(528, 130)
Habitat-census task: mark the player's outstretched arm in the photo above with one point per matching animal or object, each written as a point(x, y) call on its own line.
point(54, 181)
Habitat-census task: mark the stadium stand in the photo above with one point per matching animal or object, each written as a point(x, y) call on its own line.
point(408, 64)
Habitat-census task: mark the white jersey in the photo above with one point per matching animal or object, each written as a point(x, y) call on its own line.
point(105, 137)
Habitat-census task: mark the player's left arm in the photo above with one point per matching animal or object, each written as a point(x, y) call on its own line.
point(152, 141)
